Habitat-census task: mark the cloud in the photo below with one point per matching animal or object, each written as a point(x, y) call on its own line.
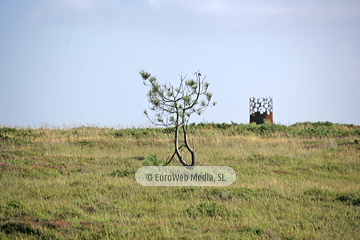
point(225, 11)
point(238, 8)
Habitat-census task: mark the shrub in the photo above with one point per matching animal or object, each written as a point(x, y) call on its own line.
point(151, 160)
point(122, 173)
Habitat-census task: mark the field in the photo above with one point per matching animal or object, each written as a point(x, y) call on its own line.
point(293, 182)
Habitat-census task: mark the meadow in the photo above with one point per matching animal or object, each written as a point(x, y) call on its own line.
point(293, 182)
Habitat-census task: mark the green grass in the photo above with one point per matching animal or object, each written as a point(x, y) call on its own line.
point(293, 182)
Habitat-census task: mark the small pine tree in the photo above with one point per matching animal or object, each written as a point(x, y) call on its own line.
point(174, 106)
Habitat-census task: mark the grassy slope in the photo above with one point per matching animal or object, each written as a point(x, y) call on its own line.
point(295, 182)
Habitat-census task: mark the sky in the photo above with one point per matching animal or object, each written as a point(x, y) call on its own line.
point(72, 63)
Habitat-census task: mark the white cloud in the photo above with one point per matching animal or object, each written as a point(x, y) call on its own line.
point(209, 9)
point(236, 8)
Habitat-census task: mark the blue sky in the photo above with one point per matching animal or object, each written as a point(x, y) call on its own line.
point(66, 62)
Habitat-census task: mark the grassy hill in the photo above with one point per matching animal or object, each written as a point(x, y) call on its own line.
point(293, 182)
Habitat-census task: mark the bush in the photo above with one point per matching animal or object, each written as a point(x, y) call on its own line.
point(122, 173)
point(133, 132)
point(151, 160)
